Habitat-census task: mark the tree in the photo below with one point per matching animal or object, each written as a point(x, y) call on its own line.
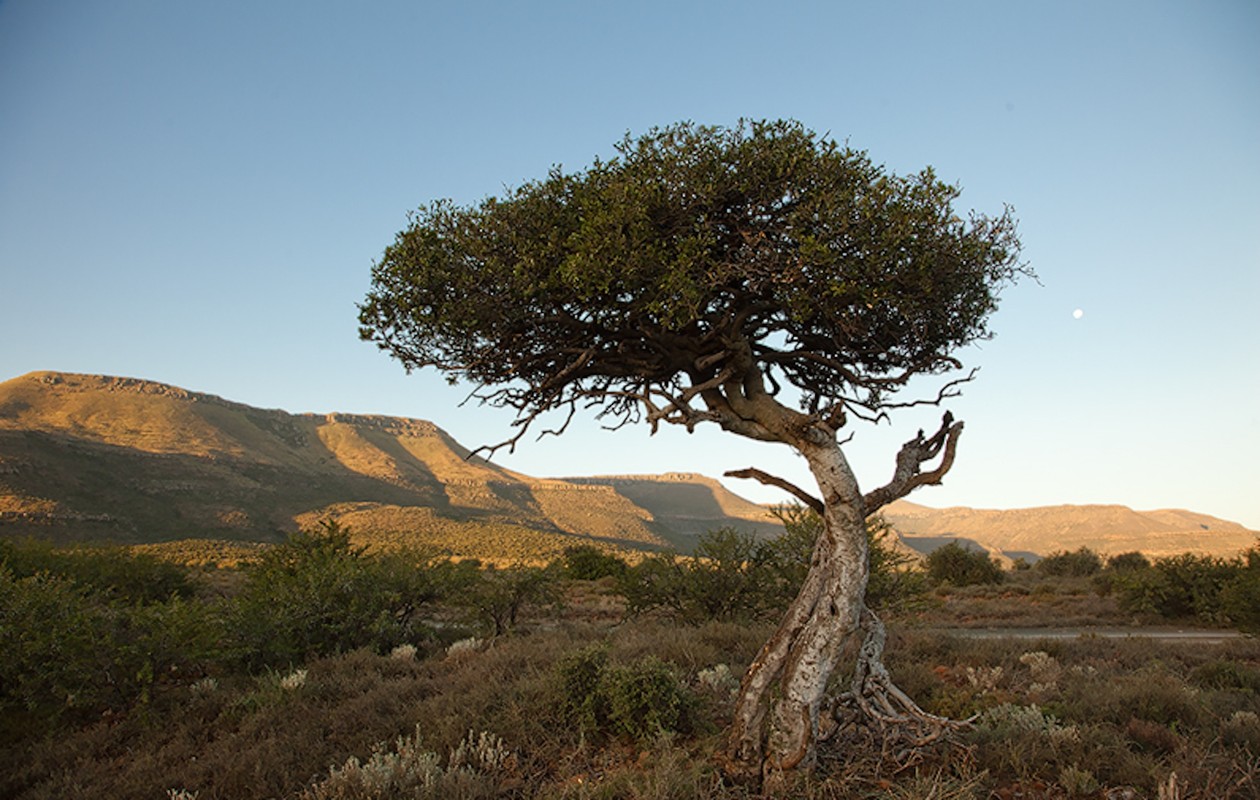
point(760, 278)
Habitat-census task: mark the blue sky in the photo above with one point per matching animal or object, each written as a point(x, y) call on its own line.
point(195, 192)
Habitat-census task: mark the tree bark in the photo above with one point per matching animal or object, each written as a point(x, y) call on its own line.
point(776, 726)
point(800, 656)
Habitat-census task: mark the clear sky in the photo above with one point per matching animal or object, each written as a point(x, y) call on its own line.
point(194, 193)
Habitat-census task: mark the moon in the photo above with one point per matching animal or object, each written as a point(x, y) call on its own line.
point(1077, 314)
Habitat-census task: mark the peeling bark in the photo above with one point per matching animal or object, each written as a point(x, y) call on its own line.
point(783, 701)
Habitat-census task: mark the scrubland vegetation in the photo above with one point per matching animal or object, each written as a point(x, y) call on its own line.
point(319, 669)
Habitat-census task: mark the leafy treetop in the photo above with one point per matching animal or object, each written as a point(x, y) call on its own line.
point(697, 264)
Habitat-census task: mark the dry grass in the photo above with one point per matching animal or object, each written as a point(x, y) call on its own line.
point(1023, 601)
point(1055, 718)
point(1110, 714)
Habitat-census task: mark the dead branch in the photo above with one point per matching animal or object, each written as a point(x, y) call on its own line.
point(770, 480)
point(910, 460)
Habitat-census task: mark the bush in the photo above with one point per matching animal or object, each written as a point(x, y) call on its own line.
point(1187, 585)
point(113, 571)
point(69, 650)
point(1128, 562)
point(956, 565)
point(1240, 596)
point(895, 580)
point(581, 677)
point(475, 770)
point(734, 576)
point(318, 595)
point(645, 699)
point(496, 597)
point(589, 563)
point(639, 700)
point(1079, 564)
point(1227, 674)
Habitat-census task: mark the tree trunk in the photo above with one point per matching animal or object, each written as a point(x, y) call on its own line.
point(801, 655)
point(788, 679)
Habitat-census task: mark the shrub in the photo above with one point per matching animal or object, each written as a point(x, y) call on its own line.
point(581, 676)
point(318, 595)
point(956, 565)
point(639, 700)
point(1128, 562)
point(589, 563)
point(112, 571)
point(69, 650)
point(895, 581)
point(496, 597)
point(1240, 596)
point(646, 699)
point(1179, 586)
point(1081, 563)
point(1242, 729)
point(408, 770)
point(1227, 674)
point(734, 576)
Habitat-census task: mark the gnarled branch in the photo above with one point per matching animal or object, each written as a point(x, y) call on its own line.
point(913, 454)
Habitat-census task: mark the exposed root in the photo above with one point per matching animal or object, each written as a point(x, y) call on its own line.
point(876, 711)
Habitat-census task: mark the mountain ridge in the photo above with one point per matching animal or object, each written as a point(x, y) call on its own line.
point(94, 456)
point(98, 456)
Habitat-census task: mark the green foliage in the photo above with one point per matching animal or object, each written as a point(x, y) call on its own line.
point(496, 597)
point(1187, 585)
point(589, 563)
point(956, 565)
point(69, 650)
point(1240, 596)
point(581, 677)
point(317, 594)
point(650, 271)
point(895, 580)
point(126, 576)
point(1128, 562)
point(645, 699)
point(1078, 564)
point(736, 577)
point(408, 770)
point(639, 700)
point(732, 576)
point(1227, 674)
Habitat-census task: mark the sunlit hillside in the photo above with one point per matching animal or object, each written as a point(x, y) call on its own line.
point(1107, 529)
point(89, 457)
point(94, 457)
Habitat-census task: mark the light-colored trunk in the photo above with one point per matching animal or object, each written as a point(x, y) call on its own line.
point(775, 729)
point(801, 655)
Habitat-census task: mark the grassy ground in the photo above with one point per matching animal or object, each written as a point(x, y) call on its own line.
point(1082, 718)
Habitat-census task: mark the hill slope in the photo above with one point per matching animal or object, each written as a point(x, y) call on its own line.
point(94, 457)
point(1108, 529)
point(88, 456)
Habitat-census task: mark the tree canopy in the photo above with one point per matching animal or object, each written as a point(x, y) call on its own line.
point(698, 264)
point(723, 275)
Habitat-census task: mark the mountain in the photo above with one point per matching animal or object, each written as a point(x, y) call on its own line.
point(97, 457)
point(1034, 532)
point(90, 457)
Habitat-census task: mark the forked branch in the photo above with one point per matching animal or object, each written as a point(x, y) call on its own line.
point(910, 460)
